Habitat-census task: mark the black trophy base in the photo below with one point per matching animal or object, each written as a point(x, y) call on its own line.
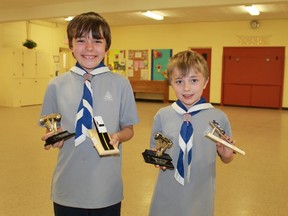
point(164, 160)
point(64, 135)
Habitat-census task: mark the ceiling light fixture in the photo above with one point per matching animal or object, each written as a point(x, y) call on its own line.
point(153, 15)
point(252, 10)
point(69, 18)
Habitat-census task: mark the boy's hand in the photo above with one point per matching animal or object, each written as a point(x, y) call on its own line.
point(158, 166)
point(163, 168)
point(224, 152)
point(55, 145)
point(114, 139)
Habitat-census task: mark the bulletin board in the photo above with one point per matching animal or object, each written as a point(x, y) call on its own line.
point(116, 61)
point(160, 59)
point(138, 65)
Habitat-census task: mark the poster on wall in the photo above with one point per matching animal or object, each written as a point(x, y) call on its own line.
point(116, 61)
point(160, 59)
point(138, 65)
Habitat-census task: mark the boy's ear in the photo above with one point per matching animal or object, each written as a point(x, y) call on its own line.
point(206, 83)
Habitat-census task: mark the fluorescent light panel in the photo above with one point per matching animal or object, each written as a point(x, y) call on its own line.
point(69, 18)
point(252, 10)
point(153, 15)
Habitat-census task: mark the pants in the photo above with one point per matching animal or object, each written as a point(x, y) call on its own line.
point(114, 210)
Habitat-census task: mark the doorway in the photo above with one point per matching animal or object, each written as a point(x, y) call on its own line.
point(66, 60)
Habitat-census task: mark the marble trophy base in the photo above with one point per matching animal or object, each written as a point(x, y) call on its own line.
point(64, 135)
point(164, 160)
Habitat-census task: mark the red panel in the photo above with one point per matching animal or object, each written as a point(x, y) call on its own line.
point(240, 70)
point(266, 96)
point(270, 70)
point(237, 95)
point(254, 66)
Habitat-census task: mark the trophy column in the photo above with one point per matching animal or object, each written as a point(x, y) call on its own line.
point(51, 122)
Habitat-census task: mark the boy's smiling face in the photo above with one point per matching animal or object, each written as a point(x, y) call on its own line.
point(188, 89)
point(88, 51)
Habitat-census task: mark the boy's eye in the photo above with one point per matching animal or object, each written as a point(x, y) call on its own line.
point(79, 40)
point(178, 81)
point(98, 40)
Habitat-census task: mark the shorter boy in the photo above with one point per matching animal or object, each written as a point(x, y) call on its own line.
point(189, 189)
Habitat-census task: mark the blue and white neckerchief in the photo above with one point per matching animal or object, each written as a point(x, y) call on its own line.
point(84, 117)
point(186, 136)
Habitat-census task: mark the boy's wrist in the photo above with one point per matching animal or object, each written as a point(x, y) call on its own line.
point(226, 159)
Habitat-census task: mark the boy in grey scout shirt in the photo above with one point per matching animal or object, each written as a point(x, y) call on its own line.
point(189, 189)
point(83, 182)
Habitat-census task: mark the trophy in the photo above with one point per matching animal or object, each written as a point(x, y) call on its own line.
point(217, 135)
point(101, 138)
point(51, 122)
point(159, 157)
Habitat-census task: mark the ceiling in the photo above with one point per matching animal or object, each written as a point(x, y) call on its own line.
point(128, 12)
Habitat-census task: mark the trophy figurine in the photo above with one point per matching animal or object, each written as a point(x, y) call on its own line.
point(51, 122)
point(217, 135)
point(159, 157)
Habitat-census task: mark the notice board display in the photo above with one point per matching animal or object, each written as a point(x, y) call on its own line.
point(116, 61)
point(138, 65)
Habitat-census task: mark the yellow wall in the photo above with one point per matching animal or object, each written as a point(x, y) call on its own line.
point(24, 77)
point(50, 37)
point(205, 35)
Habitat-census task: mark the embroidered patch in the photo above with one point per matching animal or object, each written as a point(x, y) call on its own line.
point(108, 96)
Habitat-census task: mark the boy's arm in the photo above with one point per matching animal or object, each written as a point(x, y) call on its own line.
point(125, 134)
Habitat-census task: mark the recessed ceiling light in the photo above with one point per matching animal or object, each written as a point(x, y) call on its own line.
point(252, 10)
point(153, 15)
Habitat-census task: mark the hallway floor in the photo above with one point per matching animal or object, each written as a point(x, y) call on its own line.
point(252, 185)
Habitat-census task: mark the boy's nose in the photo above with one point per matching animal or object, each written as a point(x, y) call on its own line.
point(89, 45)
point(186, 86)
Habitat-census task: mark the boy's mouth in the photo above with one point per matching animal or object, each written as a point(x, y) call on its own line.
point(187, 95)
point(89, 57)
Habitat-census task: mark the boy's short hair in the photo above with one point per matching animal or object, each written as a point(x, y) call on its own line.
point(86, 22)
point(186, 60)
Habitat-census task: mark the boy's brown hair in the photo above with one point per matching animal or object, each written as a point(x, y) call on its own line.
point(185, 61)
point(86, 22)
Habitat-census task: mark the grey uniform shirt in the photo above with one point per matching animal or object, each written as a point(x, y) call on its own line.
point(195, 198)
point(82, 178)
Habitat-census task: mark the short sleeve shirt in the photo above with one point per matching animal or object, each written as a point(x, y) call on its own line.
point(82, 178)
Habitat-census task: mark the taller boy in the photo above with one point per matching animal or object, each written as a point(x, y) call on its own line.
point(83, 182)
